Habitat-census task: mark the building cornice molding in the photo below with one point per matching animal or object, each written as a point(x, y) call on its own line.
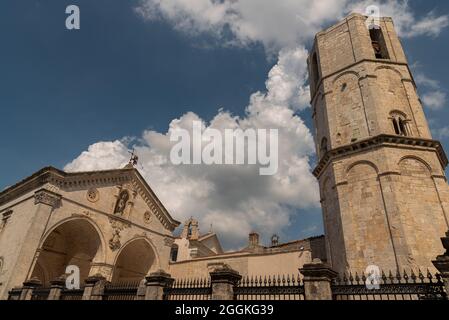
point(381, 141)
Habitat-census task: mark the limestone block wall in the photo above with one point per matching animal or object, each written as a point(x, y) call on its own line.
point(286, 263)
point(386, 206)
point(13, 235)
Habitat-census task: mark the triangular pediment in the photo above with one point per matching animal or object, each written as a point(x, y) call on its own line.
point(56, 180)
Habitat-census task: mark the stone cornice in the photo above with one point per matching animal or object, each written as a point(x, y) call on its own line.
point(378, 141)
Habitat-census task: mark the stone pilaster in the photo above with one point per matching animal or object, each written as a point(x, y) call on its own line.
point(317, 281)
point(156, 283)
point(442, 262)
point(223, 280)
point(94, 289)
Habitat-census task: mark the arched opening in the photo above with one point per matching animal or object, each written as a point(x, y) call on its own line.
point(400, 124)
point(75, 242)
point(134, 262)
point(378, 43)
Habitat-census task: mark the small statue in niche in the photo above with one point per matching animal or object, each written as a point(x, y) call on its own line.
point(114, 242)
point(121, 202)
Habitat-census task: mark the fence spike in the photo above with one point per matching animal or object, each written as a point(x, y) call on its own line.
point(363, 277)
point(429, 275)
point(413, 276)
point(405, 276)
point(357, 278)
point(421, 276)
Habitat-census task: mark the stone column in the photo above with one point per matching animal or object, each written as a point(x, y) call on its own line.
point(442, 262)
point(156, 283)
point(28, 287)
point(56, 288)
point(223, 280)
point(94, 288)
point(317, 280)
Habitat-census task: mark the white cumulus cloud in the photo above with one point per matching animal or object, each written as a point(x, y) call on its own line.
point(236, 199)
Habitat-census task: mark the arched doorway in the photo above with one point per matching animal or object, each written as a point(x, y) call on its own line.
point(75, 242)
point(134, 262)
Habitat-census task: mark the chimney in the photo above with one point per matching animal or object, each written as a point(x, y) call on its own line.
point(253, 239)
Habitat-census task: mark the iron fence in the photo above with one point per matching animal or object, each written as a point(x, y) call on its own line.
point(14, 294)
point(121, 290)
point(40, 294)
point(392, 287)
point(189, 289)
point(271, 288)
point(72, 294)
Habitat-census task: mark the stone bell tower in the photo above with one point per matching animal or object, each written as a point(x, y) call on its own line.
point(384, 193)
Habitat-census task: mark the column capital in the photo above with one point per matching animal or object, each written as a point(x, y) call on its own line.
point(161, 278)
point(47, 197)
point(58, 282)
point(317, 271)
point(32, 283)
point(225, 274)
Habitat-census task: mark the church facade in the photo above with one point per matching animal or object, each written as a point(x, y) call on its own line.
point(384, 194)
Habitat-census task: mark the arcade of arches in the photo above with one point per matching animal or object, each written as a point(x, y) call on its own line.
point(77, 242)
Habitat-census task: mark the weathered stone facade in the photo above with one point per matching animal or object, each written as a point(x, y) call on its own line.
point(55, 219)
point(384, 193)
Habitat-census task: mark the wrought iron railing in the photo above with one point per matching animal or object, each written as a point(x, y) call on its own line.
point(121, 290)
point(189, 289)
point(392, 287)
point(14, 294)
point(72, 294)
point(270, 288)
point(40, 294)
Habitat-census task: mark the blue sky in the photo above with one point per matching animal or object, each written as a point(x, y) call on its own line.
point(62, 91)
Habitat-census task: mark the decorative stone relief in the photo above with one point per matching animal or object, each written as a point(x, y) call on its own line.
point(147, 217)
point(93, 195)
point(5, 217)
point(122, 200)
point(46, 197)
point(117, 227)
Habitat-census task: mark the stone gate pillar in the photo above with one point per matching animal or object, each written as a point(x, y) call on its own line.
point(442, 262)
point(56, 288)
point(156, 283)
point(28, 287)
point(94, 289)
point(223, 281)
point(317, 280)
